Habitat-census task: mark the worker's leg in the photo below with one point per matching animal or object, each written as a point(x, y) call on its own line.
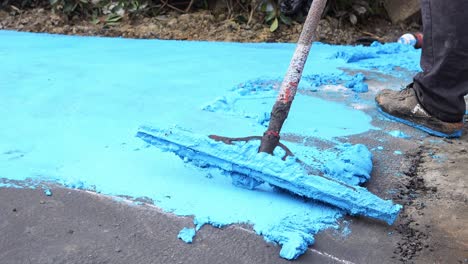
point(434, 102)
point(444, 81)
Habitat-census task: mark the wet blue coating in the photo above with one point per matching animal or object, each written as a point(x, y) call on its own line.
point(71, 107)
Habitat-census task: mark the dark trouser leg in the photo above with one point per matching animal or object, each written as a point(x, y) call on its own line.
point(444, 80)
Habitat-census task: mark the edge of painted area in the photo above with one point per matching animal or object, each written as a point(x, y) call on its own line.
point(7, 32)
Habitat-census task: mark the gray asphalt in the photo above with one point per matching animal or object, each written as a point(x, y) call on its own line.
point(73, 226)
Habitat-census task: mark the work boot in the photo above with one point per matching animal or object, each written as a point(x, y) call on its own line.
point(403, 106)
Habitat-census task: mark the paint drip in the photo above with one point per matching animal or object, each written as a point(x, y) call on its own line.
point(187, 235)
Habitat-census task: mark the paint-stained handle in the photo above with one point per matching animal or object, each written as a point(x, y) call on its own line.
point(290, 82)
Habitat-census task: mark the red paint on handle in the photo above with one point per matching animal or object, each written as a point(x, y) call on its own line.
point(288, 89)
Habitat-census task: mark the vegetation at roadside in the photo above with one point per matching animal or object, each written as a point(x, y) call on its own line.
point(271, 12)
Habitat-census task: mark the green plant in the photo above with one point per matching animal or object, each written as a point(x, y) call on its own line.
point(112, 12)
point(274, 15)
point(108, 12)
point(125, 6)
point(18, 3)
point(69, 7)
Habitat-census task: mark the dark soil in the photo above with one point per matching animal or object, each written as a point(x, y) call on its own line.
point(200, 25)
point(413, 238)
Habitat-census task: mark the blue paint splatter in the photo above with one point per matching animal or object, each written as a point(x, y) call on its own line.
point(399, 134)
point(73, 101)
point(440, 158)
point(48, 192)
point(187, 234)
point(346, 231)
point(398, 152)
point(357, 54)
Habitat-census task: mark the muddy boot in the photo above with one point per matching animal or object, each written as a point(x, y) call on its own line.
point(403, 106)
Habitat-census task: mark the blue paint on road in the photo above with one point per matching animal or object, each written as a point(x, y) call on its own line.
point(71, 107)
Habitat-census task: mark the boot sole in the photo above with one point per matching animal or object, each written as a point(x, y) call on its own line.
point(430, 131)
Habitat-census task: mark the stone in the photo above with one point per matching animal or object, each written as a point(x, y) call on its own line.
point(400, 10)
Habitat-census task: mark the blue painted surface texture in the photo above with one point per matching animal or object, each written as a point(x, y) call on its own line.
point(70, 108)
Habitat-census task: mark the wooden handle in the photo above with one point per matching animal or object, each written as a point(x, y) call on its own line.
point(288, 90)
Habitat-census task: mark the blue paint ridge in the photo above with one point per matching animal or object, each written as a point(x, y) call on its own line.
point(357, 83)
point(186, 235)
point(243, 158)
point(388, 58)
point(353, 165)
point(320, 79)
point(293, 233)
point(357, 54)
